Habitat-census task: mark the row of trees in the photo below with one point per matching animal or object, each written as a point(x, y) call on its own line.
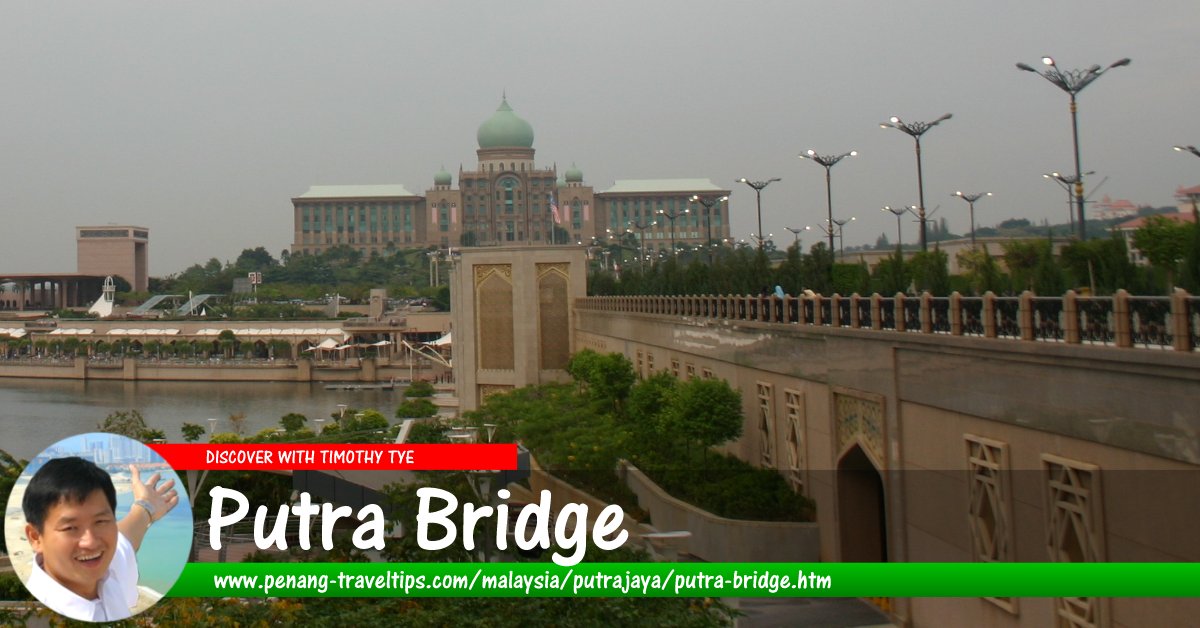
point(226, 344)
point(1100, 265)
point(341, 269)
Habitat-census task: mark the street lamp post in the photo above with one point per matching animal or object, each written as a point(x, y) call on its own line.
point(970, 199)
point(758, 188)
point(1066, 181)
point(898, 212)
point(841, 232)
point(828, 161)
point(916, 130)
point(672, 215)
point(637, 224)
point(709, 204)
point(797, 232)
point(760, 239)
point(1072, 82)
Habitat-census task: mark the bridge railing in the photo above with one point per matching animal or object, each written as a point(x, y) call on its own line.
point(1165, 323)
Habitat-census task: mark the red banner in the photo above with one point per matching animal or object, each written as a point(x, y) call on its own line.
point(324, 456)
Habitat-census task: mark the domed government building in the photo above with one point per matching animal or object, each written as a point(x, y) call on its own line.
point(507, 200)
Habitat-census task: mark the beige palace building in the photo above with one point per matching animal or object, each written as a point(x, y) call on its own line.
point(508, 199)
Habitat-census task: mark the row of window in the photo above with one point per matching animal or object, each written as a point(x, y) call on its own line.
point(308, 238)
point(471, 183)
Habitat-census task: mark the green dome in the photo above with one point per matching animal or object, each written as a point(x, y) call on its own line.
point(505, 130)
point(442, 177)
point(574, 175)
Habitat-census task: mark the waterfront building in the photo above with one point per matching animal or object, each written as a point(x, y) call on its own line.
point(121, 251)
point(507, 199)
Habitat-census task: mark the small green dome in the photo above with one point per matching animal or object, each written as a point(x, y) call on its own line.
point(442, 177)
point(561, 183)
point(505, 130)
point(574, 175)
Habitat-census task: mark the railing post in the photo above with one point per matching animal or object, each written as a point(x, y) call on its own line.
point(989, 314)
point(1181, 336)
point(854, 299)
point(1124, 336)
point(817, 310)
point(956, 326)
point(876, 311)
point(1025, 315)
point(1070, 309)
point(835, 304)
point(898, 312)
point(926, 313)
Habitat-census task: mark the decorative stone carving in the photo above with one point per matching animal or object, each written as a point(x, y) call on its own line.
point(859, 417)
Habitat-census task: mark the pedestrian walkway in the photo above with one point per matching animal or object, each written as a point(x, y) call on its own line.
point(759, 612)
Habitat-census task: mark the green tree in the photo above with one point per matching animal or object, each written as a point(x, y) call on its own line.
point(415, 408)
point(131, 424)
point(1102, 263)
point(293, 422)
point(419, 388)
point(1164, 243)
point(982, 271)
point(608, 376)
point(817, 270)
point(891, 274)
point(1022, 258)
point(10, 470)
point(1191, 261)
point(228, 342)
point(930, 271)
point(192, 432)
point(706, 412)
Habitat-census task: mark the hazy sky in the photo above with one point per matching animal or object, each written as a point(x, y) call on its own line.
point(201, 121)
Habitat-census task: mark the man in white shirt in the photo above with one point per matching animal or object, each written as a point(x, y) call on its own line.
point(85, 565)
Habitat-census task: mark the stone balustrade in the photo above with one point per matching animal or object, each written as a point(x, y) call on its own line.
point(1121, 320)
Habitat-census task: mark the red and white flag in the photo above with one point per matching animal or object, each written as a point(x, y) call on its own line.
point(554, 210)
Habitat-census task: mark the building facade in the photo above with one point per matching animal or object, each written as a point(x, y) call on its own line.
point(122, 251)
point(507, 199)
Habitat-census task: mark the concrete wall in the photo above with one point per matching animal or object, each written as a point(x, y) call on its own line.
point(717, 539)
point(910, 401)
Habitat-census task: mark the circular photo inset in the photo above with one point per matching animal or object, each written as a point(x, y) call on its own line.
point(98, 527)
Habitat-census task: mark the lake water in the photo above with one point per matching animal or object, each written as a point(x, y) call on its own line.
point(35, 413)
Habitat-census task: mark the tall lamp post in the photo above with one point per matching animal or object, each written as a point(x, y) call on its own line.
point(828, 161)
point(709, 204)
point(916, 130)
point(796, 232)
point(970, 199)
point(758, 188)
point(1072, 82)
point(1193, 197)
point(637, 224)
point(841, 232)
point(898, 212)
point(672, 215)
point(1066, 181)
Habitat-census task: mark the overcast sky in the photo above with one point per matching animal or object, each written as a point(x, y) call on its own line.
point(201, 121)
